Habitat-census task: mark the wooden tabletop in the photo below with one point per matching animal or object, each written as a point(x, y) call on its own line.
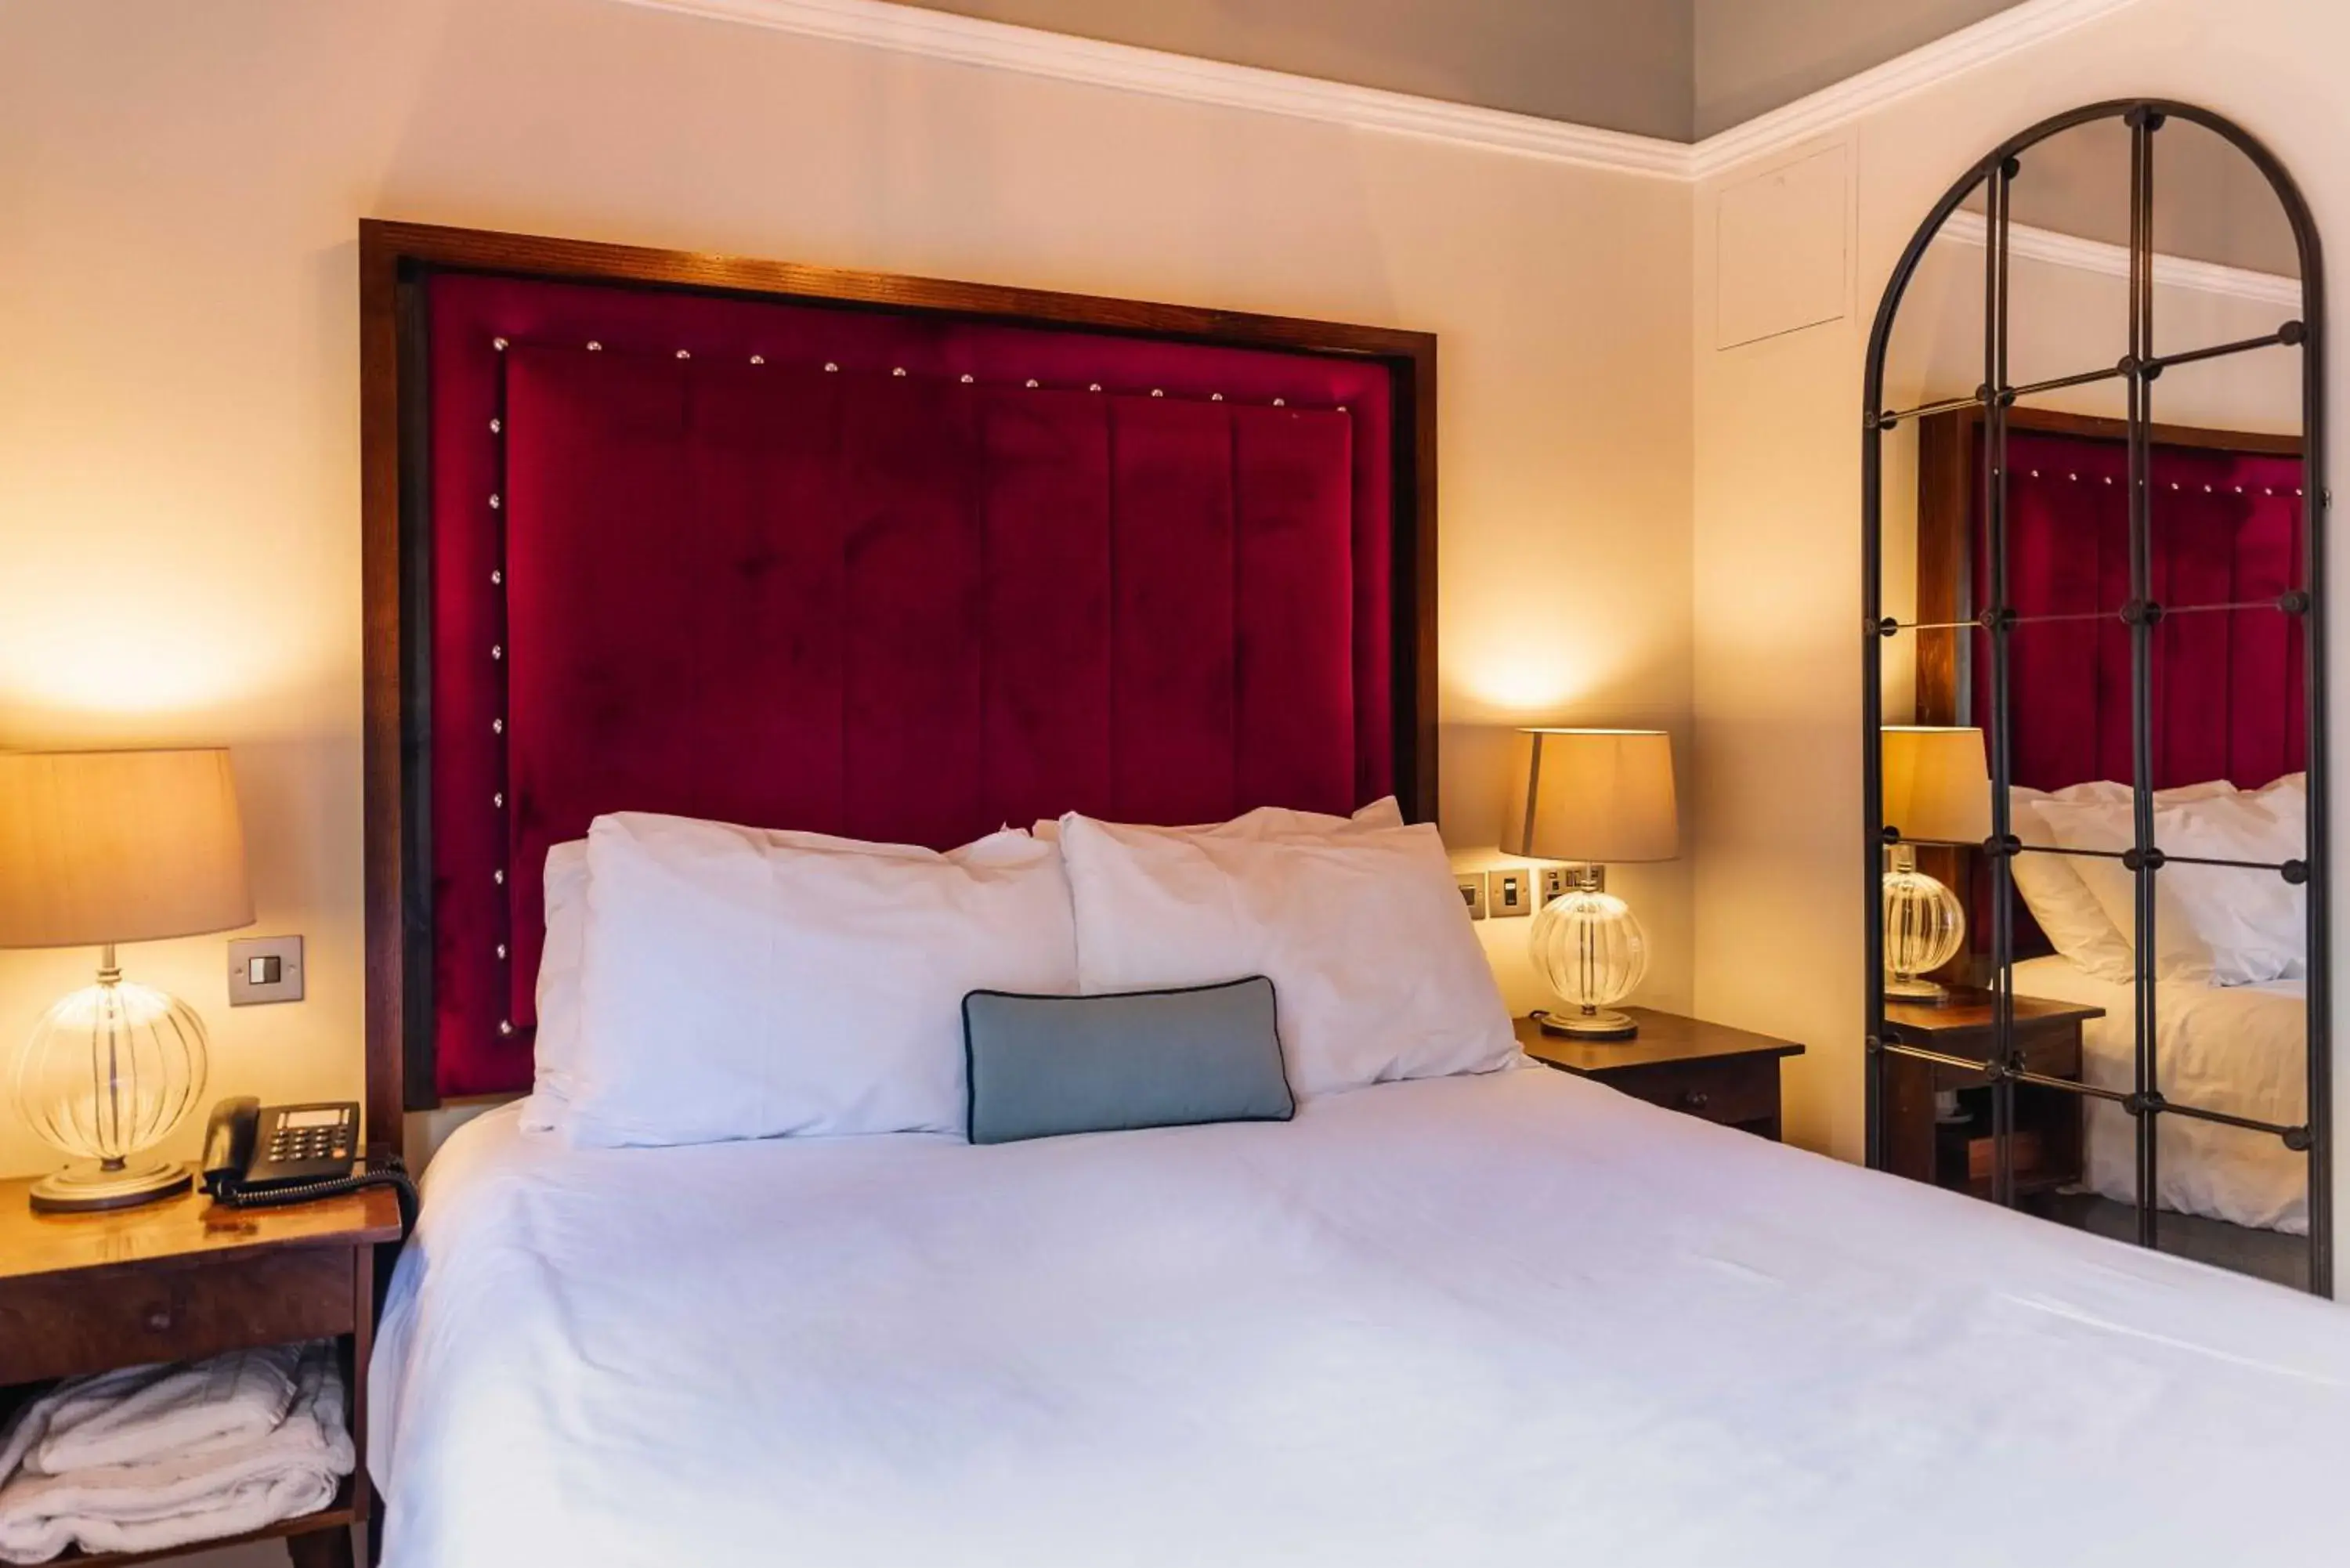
point(1968, 1011)
point(190, 1227)
point(1663, 1037)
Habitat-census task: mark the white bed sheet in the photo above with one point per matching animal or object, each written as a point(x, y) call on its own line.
point(2232, 1048)
point(1516, 1319)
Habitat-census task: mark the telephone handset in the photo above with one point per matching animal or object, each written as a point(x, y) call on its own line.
point(259, 1156)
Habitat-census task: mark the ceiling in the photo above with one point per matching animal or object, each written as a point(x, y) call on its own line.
point(1678, 69)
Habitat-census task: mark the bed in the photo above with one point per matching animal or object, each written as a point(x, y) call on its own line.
point(892, 560)
point(2237, 1049)
point(1511, 1318)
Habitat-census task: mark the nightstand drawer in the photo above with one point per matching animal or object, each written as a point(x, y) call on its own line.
point(55, 1325)
point(1731, 1091)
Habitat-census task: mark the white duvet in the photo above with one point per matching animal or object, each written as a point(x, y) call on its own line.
point(2232, 1048)
point(1508, 1320)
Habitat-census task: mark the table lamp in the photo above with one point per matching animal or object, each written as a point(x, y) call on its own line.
point(1936, 788)
point(99, 848)
point(1591, 796)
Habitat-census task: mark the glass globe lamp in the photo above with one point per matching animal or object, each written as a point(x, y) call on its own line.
point(109, 1072)
point(1591, 948)
point(99, 848)
point(1925, 926)
point(1590, 796)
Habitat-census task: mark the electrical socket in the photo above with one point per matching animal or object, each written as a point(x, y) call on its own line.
point(1553, 879)
point(1472, 892)
point(1508, 891)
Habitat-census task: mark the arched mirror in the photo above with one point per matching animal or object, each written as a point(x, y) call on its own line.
point(2093, 512)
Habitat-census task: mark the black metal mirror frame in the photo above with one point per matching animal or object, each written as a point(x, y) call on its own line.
point(2137, 371)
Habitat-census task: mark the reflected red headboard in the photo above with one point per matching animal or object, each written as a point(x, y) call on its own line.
point(2229, 697)
point(898, 560)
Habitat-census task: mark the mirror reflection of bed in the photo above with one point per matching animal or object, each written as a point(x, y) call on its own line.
point(2224, 742)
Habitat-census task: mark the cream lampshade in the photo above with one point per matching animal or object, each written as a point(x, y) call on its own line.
point(99, 848)
point(1936, 788)
point(1591, 796)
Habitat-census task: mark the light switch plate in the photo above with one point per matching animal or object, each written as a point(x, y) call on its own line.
point(264, 969)
point(1509, 892)
point(1472, 892)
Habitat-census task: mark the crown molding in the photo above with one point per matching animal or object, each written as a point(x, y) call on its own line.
point(1995, 37)
point(1000, 45)
point(1967, 228)
point(970, 40)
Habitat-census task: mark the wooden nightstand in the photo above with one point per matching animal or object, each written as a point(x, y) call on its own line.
point(2046, 1145)
point(184, 1278)
point(1708, 1070)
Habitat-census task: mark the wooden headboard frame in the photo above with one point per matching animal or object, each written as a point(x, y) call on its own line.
point(394, 261)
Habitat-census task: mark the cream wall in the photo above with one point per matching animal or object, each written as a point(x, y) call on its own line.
point(1781, 887)
point(180, 187)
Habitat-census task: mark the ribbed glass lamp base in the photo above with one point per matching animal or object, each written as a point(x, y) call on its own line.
point(1591, 1024)
point(78, 1189)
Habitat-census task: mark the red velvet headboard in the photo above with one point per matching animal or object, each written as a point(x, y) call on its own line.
point(904, 573)
point(2229, 699)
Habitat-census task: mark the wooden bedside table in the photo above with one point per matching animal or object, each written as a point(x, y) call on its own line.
point(184, 1278)
point(2046, 1145)
point(1708, 1070)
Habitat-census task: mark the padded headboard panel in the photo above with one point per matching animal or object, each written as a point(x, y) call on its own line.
point(897, 576)
point(2230, 701)
point(2230, 698)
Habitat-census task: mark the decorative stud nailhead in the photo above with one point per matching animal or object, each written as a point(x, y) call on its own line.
point(1156, 392)
point(1031, 381)
point(496, 579)
point(1096, 387)
point(497, 425)
point(1342, 408)
point(683, 354)
point(830, 366)
point(758, 359)
point(966, 378)
point(499, 343)
point(497, 726)
point(1215, 397)
point(897, 370)
point(502, 949)
point(499, 800)
point(495, 503)
point(1280, 402)
point(594, 347)
point(505, 1026)
point(499, 876)
point(497, 650)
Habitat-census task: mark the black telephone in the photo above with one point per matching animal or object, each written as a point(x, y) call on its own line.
point(259, 1156)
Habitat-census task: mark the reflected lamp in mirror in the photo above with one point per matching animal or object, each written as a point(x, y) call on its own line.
point(97, 849)
point(1591, 796)
point(1936, 789)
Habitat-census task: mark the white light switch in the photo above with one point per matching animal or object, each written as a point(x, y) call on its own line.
point(264, 968)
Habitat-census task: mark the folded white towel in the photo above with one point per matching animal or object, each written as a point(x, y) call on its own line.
point(150, 1413)
point(236, 1484)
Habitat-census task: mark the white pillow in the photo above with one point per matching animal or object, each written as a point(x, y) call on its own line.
point(1271, 821)
point(556, 1044)
point(2069, 914)
point(739, 985)
point(2214, 924)
point(1377, 973)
